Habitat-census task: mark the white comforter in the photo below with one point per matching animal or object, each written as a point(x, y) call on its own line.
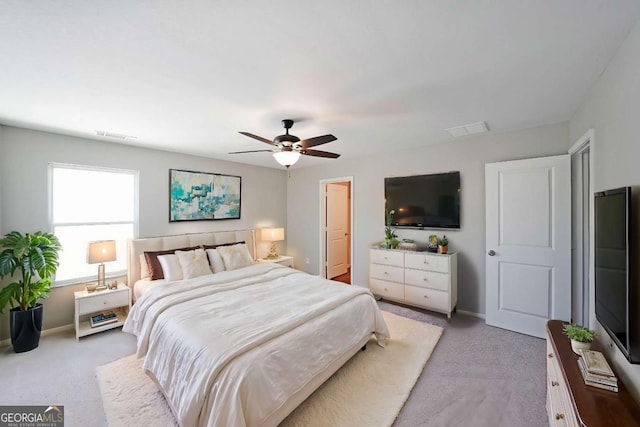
point(232, 349)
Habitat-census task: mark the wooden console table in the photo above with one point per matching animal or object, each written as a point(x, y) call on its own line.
point(572, 403)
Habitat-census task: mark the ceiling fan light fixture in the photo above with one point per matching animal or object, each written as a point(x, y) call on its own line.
point(286, 158)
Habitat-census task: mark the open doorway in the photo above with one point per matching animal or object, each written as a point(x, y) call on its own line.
point(336, 222)
point(581, 229)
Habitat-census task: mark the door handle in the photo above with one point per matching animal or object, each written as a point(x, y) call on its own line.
point(345, 234)
point(491, 252)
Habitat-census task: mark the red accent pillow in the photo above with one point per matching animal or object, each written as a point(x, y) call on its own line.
point(155, 269)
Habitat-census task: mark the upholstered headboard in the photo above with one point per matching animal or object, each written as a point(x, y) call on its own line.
point(139, 246)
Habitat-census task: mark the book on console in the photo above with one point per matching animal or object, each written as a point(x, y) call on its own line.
point(600, 379)
point(595, 363)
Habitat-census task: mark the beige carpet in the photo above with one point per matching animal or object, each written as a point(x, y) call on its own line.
point(370, 389)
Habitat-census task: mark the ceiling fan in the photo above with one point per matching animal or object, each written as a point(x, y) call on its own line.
point(288, 148)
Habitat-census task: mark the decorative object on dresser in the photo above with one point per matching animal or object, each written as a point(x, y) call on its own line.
point(272, 235)
point(100, 252)
point(433, 243)
point(416, 278)
point(89, 306)
point(195, 196)
point(595, 370)
point(35, 259)
point(581, 337)
point(570, 402)
point(443, 245)
point(390, 237)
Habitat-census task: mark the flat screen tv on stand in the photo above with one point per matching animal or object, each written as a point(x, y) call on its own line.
point(617, 284)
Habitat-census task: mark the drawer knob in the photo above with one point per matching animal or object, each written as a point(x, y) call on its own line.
point(555, 383)
point(426, 296)
point(425, 279)
point(386, 289)
point(559, 416)
point(104, 302)
point(550, 355)
point(386, 258)
point(426, 262)
point(386, 272)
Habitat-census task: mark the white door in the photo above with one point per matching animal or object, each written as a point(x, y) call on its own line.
point(337, 229)
point(528, 253)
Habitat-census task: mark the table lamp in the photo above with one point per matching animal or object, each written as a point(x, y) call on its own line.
point(273, 235)
point(100, 252)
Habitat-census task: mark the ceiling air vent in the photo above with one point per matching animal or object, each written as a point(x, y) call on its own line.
point(114, 135)
point(470, 129)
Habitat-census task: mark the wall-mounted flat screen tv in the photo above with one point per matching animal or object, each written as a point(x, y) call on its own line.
point(424, 201)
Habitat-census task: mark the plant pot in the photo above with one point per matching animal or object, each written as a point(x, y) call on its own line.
point(25, 328)
point(443, 249)
point(577, 345)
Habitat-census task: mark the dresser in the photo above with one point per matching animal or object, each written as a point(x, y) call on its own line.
point(572, 403)
point(421, 279)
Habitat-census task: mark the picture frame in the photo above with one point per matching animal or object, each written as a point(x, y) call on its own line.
point(203, 196)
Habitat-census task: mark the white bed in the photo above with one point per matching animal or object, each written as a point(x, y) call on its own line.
point(247, 346)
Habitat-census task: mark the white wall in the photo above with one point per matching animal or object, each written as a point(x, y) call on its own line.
point(612, 108)
point(467, 156)
point(24, 203)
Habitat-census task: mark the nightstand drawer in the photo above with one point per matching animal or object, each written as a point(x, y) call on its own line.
point(103, 300)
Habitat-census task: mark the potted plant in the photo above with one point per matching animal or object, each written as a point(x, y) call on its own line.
point(443, 245)
point(581, 337)
point(390, 237)
point(35, 259)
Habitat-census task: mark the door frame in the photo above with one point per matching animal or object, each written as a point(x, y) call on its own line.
point(584, 143)
point(323, 224)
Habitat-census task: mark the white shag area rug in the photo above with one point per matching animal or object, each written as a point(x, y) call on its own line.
point(370, 389)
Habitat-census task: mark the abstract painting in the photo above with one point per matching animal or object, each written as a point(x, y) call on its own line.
point(195, 196)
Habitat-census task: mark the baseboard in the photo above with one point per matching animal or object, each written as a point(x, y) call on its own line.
point(470, 313)
point(44, 333)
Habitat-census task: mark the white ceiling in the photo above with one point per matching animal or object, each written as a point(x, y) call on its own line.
point(186, 75)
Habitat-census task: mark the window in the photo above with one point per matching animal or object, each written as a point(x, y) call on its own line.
point(89, 204)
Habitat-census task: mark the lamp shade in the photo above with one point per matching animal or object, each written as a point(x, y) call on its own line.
point(272, 234)
point(286, 158)
point(101, 251)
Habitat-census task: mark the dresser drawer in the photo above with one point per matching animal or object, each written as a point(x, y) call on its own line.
point(387, 289)
point(378, 256)
point(427, 279)
point(103, 300)
point(420, 261)
point(428, 298)
point(386, 272)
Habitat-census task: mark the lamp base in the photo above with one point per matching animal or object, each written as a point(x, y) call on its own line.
point(274, 252)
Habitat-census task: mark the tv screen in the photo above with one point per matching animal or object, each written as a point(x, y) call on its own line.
point(424, 201)
point(612, 263)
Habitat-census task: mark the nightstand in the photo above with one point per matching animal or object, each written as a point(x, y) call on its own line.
point(287, 261)
point(89, 303)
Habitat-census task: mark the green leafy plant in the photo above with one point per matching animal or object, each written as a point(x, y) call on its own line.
point(388, 231)
point(433, 240)
point(579, 333)
point(444, 241)
point(35, 257)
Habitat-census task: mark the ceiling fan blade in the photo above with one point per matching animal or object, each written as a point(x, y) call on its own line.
point(259, 138)
point(318, 153)
point(252, 151)
point(318, 140)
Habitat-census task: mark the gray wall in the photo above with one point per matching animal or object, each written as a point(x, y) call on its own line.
point(24, 157)
point(612, 109)
point(467, 156)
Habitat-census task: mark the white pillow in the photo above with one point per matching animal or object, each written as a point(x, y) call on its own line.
point(193, 263)
point(235, 256)
point(170, 267)
point(217, 265)
point(144, 269)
